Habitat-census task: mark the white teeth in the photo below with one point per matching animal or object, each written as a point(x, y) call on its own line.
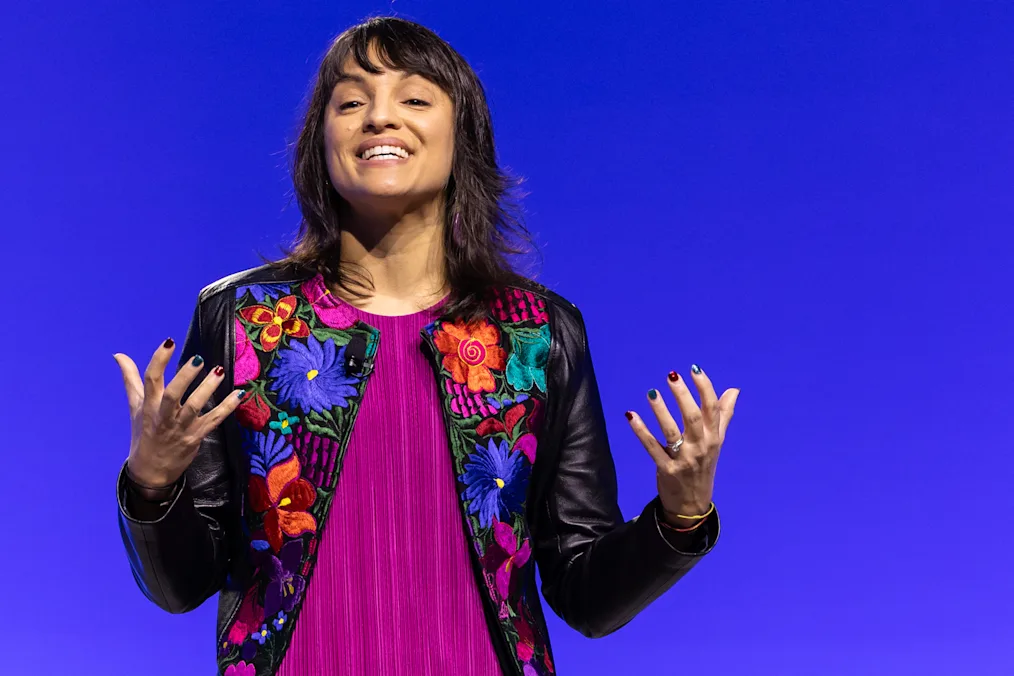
point(385, 152)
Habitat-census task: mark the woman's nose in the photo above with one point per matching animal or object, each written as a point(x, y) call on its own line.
point(381, 115)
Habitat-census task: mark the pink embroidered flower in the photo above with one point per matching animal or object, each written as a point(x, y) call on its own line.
point(530, 671)
point(330, 310)
point(504, 556)
point(527, 444)
point(516, 305)
point(241, 669)
point(465, 403)
point(249, 617)
point(247, 366)
point(526, 639)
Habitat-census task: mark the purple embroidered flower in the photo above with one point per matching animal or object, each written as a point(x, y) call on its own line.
point(312, 376)
point(495, 481)
point(265, 451)
point(261, 635)
point(262, 291)
point(530, 670)
point(241, 669)
point(497, 404)
point(279, 621)
point(285, 586)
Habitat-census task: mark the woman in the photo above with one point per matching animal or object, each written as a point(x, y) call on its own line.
point(421, 558)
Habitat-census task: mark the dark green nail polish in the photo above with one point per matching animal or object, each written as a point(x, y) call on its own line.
point(695, 368)
point(197, 360)
point(653, 394)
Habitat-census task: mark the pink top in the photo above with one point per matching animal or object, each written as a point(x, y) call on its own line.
point(393, 592)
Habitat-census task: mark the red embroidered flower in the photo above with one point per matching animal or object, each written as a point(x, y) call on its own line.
point(470, 351)
point(276, 322)
point(253, 413)
point(249, 617)
point(283, 498)
point(526, 639)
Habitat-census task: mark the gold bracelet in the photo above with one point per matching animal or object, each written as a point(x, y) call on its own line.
point(699, 516)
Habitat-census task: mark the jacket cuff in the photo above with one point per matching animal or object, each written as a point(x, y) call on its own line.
point(138, 511)
point(695, 543)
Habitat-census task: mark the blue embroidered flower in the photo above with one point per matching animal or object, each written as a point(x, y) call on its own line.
point(284, 423)
point(265, 450)
point(497, 404)
point(495, 481)
point(261, 634)
point(279, 621)
point(262, 291)
point(526, 367)
point(312, 376)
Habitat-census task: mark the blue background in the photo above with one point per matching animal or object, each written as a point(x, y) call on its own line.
point(811, 200)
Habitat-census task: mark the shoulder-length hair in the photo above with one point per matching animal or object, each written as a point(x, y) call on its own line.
point(483, 227)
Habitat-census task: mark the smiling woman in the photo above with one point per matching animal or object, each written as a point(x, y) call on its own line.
point(393, 530)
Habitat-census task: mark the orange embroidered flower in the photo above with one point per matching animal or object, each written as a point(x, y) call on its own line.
point(283, 498)
point(276, 322)
point(470, 351)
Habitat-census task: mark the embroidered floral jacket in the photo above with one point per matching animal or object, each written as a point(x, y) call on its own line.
point(534, 474)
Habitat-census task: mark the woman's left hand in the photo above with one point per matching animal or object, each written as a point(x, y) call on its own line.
point(686, 473)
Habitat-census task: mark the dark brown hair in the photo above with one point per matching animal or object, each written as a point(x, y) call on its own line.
point(483, 228)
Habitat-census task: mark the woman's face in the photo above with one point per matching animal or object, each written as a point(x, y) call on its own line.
point(389, 139)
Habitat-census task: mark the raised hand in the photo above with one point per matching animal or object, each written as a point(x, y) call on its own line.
point(687, 460)
point(165, 431)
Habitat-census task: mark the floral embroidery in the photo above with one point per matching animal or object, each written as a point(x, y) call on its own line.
point(312, 376)
point(496, 480)
point(283, 498)
point(286, 587)
point(253, 413)
point(241, 669)
point(527, 444)
point(261, 634)
point(470, 352)
point(279, 621)
point(262, 292)
point(250, 616)
point(278, 321)
point(247, 366)
point(284, 423)
point(331, 313)
point(517, 305)
point(265, 451)
point(465, 403)
point(526, 367)
point(504, 556)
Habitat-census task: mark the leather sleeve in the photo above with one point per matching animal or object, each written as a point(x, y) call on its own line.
point(178, 554)
point(597, 570)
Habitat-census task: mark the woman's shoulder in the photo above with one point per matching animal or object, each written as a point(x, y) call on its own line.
point(268, 274)
point(546, 295)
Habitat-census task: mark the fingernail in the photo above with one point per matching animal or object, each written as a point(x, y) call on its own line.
point(673, 376)
point(197, 360)
point(653, 394)
point(240, 394)
point(169, 342)
point(219, 371)
point(695, 368)
point(630, 416)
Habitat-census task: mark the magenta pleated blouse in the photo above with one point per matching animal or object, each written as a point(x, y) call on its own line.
point(393, 592)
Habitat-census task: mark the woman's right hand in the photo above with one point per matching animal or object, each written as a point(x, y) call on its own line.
point(166, 434)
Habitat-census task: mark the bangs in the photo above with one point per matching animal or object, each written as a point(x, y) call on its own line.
point(399, 46)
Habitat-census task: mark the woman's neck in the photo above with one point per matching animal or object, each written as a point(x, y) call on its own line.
point(403, 256)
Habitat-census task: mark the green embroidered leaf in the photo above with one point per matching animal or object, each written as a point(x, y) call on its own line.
point(340, 338)
point(323, 430)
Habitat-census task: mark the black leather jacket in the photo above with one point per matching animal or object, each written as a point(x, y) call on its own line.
point(598, 571)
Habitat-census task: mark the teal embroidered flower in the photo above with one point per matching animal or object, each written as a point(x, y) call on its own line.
point(526, 367)
point(284, 423)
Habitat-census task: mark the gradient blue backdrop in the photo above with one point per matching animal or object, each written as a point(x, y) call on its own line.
point(812, 200)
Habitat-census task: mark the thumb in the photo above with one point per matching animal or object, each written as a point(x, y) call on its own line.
point(131, 380)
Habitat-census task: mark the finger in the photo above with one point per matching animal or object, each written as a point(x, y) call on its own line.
point(670, 429)
point(131, 381)
point(727, 405)
point(154, 376)
point(709, 400)
point(177, 387)
point(213, 418)
point(192, 407)
point(648, 440)
point(689, 411)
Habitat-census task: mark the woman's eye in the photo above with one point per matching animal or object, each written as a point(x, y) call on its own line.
point(417, 102)
point(348, 105)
